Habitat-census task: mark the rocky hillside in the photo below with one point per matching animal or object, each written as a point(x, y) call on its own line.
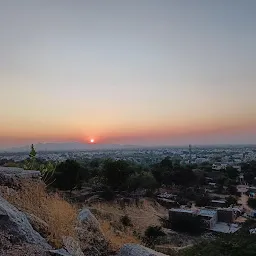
point(34, 222)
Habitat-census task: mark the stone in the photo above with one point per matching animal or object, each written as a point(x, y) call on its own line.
point(137, 250)
point(11, 176)
point(72, 246)
point(16, 224)
point(85, 215)
point(38, 224)
point(91, 238)
point(60, 252)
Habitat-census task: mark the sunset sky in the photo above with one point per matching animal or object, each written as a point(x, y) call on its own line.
point(145, 72)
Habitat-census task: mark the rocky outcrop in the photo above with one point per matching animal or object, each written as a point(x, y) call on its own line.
point(91, 238)
point(72, 246)
point(59, 252)
point(16, 224)
point(85, 216)
point(12, 176)
point(7, 248)
point(137, 250)
point(38, 224)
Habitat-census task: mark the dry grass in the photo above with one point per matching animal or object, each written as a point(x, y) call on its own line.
point(54, 210)
point(115, 238)
point(109, 215)
point(141, 217)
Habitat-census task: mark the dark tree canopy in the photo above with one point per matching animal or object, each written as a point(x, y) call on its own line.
point(116, 172)
point(67, 175)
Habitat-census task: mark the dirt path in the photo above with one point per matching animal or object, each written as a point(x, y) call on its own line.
point(244, 201)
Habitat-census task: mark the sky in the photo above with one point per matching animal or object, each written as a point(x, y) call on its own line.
point(141, 72)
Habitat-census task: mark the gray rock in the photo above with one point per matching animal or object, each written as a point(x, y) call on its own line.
point(91, 238)
point(38, 224)
point(16, 223)
point(137, 250)
point(72, 246)
point(11, 175)
point(60, 252)
point(85, 215)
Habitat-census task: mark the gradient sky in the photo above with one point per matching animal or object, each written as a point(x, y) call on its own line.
point(136, 71)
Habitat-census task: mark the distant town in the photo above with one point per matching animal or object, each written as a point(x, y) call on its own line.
point(218, 156)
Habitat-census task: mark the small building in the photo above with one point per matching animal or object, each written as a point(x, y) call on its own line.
point(209, 217)
point(227, 215)
point(168, 203)
point(219, 220)
point(218, 203)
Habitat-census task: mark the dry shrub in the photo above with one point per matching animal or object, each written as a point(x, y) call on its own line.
point(51, 208)
point(117, 238)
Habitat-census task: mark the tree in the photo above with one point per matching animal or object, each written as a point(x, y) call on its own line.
point(252, 203)
point(203, 200)
point(241, 243)
point(141, 180)
point(67, 175)
point(232, 173)
point(231, 201)
point(30, 164)
point(32, 153)
point(116, 173)
point(232, 190)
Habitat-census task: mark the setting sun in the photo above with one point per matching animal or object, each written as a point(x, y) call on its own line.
point(92, 140)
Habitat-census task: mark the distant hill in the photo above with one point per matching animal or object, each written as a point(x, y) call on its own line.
point(69, 146)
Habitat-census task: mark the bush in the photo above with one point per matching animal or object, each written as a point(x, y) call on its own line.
point(203, 200)
point(67, 175)
point(165, 222)
point(108, 194)
point(151, 234)
point(126, 221)
point(231, 201)
point(231, 244)
point(252, 203)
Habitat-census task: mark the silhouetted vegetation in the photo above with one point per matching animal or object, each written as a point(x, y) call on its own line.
point(67, 175)
point(126, 221)
point(252, 203)
point(151, 234)
point(241, 243)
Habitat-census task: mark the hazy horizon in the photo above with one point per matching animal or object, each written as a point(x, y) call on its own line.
point(80, 146)
point(132, 72)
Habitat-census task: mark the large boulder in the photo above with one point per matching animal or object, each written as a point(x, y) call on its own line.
point(85, 216)
point(92, 240)
point(15, 223)
point(12, 176)
point(137, 250)
point(38, 224)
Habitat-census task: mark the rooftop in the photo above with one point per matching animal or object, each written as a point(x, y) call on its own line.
point(225, 228)
point(181, 210)
point(207, 212)
point(219, 201)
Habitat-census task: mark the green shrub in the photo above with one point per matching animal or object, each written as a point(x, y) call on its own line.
point(126, 221)
point(108, 194)
point(151, 234)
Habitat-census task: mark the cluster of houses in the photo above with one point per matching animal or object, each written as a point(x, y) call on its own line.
point(216, 217)
point(218, 220)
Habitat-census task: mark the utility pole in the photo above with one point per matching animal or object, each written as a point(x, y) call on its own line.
point(190, 154)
